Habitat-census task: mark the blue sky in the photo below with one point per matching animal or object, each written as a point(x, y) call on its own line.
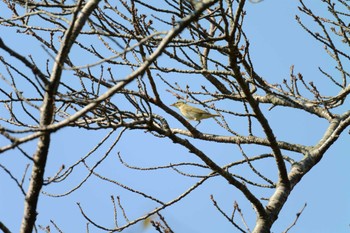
point(277, 42)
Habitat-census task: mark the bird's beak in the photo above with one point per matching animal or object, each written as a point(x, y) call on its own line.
point(172, 104)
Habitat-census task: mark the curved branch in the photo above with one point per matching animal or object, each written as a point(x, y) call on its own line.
point(224, 173)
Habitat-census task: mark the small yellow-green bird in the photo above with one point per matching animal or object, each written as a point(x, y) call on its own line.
point(193, 113)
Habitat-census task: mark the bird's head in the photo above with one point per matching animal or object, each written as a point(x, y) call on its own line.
point(178, 104)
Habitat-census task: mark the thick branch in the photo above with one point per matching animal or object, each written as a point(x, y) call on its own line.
point(46, 118)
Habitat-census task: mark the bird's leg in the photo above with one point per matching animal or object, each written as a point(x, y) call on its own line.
point(197, 124)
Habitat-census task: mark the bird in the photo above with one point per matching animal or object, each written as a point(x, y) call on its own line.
point(193, 113)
